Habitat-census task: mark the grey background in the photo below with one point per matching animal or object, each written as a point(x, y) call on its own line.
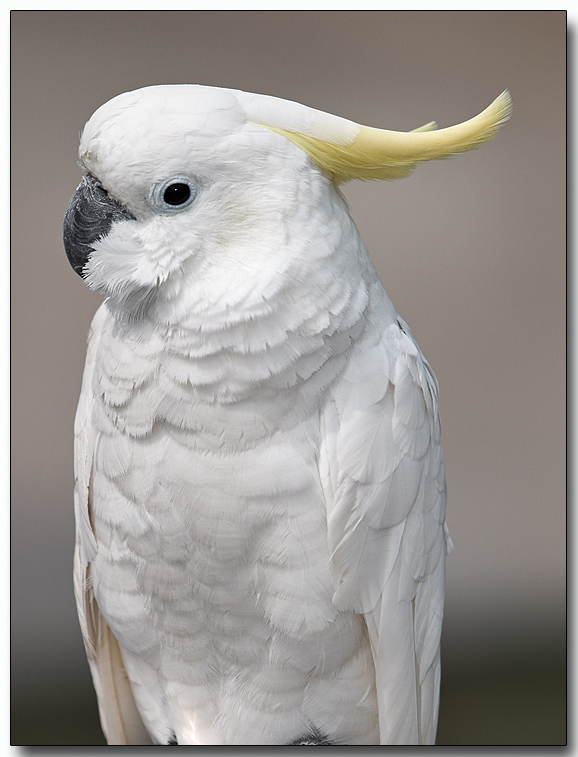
point(470, 249)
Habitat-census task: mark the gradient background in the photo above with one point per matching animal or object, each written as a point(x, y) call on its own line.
point(471, 250)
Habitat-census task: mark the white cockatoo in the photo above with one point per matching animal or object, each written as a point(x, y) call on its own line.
point(260, 492)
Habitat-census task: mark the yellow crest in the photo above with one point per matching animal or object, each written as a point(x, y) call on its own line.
point(371, 153)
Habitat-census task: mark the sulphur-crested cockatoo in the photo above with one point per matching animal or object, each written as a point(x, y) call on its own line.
point(260, 488)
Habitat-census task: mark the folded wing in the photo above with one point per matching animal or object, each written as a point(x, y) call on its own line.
point(383, 475)
point(120, 719)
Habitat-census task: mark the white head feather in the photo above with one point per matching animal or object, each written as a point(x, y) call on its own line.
point(258, 164)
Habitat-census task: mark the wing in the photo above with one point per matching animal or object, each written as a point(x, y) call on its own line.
point(382, 470)
point(120, 720)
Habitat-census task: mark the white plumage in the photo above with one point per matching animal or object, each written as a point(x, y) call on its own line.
point(260, 489)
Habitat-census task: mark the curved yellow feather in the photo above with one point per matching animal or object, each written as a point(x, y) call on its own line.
point(382, 154)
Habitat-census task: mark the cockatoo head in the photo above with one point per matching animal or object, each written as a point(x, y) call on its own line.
point(190, 183)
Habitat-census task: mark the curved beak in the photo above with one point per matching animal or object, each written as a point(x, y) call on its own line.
point(88, 218)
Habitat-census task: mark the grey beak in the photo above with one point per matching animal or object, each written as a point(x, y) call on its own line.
point(89, 217)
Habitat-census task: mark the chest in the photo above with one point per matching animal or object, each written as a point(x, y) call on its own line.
point(194, 514)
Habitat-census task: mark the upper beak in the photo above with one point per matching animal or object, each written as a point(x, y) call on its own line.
point(89, 217)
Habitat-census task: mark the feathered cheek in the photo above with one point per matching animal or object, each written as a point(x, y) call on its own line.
point(126, 260)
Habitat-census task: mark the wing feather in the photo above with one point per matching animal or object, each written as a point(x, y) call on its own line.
point(120, 720)
point(384, 480)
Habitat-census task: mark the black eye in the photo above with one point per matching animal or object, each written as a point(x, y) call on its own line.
point(177, 193)
point(173, 195)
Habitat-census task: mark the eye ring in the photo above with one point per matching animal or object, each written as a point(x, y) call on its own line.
point(173, 195)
